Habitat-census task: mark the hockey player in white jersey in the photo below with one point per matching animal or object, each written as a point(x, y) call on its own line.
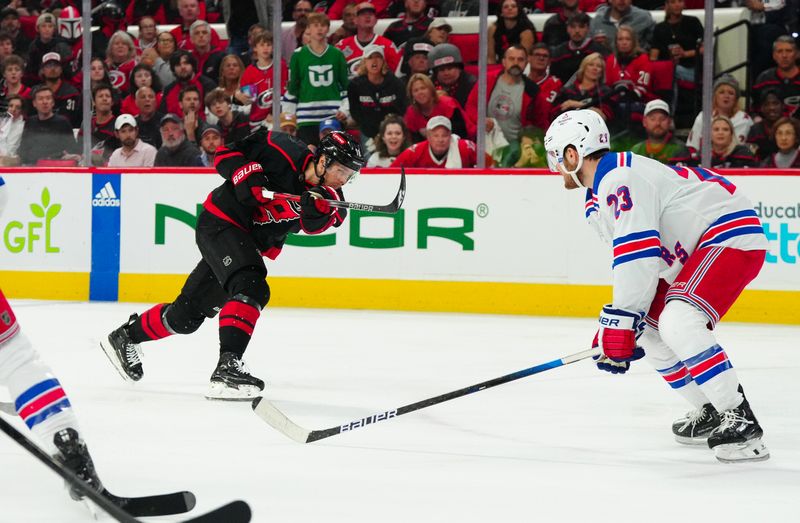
point(685, 244)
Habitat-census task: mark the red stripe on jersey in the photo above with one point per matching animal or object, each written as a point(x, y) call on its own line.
point(41, 402)
point(707, 364)
point(236, 323)
point(739, 222)
point(637, 245)
point(224, 155)
point(679, 374)
point(216, 211)
point(280, 150)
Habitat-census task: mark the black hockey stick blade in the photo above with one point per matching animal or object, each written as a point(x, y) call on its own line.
point(278, 420)
point(156, 505)
point(235, 512)
point(390, 208)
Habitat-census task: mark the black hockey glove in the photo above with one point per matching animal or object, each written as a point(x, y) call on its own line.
point(316, 214)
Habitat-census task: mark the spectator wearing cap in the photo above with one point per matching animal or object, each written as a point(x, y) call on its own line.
point(660, 144)
point(511, 28)
point(47, 135)
point(447, 73)
point(373, 94)
point(176, 150)
point(67, 97)
point(190, 12)
point(441, 149)
point(677, 39)
point(609, 17)
point(133, 151)
point(10, 24)
point(726, 150)
point(785, 135)
point(120, 59)
point(184, 67)
point(317, 86)
point(785, 76)
point(415, 57)
point(12, 78)
point(46, 41)
point(288, 123)
point(549, 85)
point(353, 47)
point(149, 118)
point(413, 24)
point(257, 80)
point(426, 103)
point(11, 126)
point(770, 108)
point(554, 32)
point(459, 8)
point(566, 57)
point(208, 58)
point(725, 102)
point(348, 27)
point(439, 31)
point(327, 126)
point(510, 96)
point(210, 140)
point(233, 126)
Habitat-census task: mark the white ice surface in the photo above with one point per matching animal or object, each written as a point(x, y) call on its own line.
point(571, 444)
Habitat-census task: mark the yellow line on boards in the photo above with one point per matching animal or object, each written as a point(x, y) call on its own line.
point(45, 285)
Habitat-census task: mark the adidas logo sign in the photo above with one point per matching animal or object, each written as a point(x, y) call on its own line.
point(106, 197)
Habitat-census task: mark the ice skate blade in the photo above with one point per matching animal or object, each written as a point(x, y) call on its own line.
point(111, 354)
point(753, 450)
point(220, 391)
point(691, 442)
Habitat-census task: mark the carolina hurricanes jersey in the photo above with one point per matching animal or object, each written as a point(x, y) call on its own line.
point(8, 323)
point(260, 85)
point(655, 216)
point(353, 52)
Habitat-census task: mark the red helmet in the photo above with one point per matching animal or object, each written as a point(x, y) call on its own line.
point(69, 23)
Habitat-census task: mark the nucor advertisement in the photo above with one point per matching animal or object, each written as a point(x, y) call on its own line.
point(46, 225)
point(452, 227)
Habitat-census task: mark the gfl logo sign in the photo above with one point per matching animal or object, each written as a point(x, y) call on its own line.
point(788, 243)
point(19, 236)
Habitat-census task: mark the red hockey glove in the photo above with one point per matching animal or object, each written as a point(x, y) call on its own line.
point(313, 203)
point(618, 332)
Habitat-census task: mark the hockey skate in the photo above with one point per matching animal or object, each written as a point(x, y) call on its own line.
point(75, 456)
point(232, 381)
point(123, 353)
point(738, 437)
point(694, 428)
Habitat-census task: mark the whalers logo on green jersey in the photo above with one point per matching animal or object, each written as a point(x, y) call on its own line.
point(320, 75)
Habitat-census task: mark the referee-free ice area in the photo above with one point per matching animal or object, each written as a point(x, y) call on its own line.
point(570, 444)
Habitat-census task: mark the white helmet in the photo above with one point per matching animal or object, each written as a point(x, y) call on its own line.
point(583, 129)
point(70, 24)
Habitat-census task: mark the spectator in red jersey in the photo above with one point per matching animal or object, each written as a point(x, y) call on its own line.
point(233, 126)
point(190, 12)
point(183, 66)
point(392, 139)
point(441, 149)
point(67, 98)
point(785, 76)
point(141, 76)
point(149, 118)
point(587, 91)
point(10, 24)
point(12, 78)
point(511, 28)
point(439, 31)
point(510, 96)
point(348, 27)
point(208, 58)
point(426, 103)
point(158, 58)
point(353, 47)
point(46, 41)
point(210, 141)
point(725, 148)
point(414, 23)
point(373, 94)
point(760, 136)
point(566, 58)
point(120, 59)
point(549, 85)
point(148, 35)
point(104, 141)
point(628, 75)
point(786, 137)
point(231, 70)
point(257, 81)
point(448, 75)
point(47, 135)
point(555, 28)
point(193, 110)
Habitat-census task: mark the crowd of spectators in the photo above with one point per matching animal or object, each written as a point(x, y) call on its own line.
point(171, 97)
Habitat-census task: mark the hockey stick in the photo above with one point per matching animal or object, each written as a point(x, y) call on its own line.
point(389, 208)
point(269, 413)
point(234, 512)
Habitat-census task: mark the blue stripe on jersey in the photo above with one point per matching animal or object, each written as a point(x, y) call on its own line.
point(637, 236)
point(2, 181)
point(607, 163)
point(36, 390)
point(648, 253)
point(753, 229)
point(732, 216)
point(52, 410)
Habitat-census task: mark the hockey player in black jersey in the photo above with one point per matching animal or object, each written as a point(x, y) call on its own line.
point(237, 227)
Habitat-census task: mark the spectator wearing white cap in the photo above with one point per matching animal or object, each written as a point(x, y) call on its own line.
point(134, 152)
point(439, 31)
point(373, 94)
point(45, 42)
point(353, 47)
point(442, 149)
point(660, 144)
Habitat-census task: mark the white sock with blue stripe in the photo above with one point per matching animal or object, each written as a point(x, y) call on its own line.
point(671, 368)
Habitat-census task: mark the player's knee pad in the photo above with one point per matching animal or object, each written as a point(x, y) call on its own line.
point(15, 354)
point(250, 284)
point(181, 317)
point(684, 328)
point(656, 351)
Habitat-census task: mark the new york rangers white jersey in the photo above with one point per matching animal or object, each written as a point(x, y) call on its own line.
point(655, 216)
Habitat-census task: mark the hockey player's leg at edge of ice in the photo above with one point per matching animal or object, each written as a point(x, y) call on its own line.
point(123, 353)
